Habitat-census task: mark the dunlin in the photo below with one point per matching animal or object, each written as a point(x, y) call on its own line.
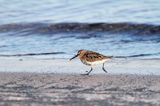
point(91, 58)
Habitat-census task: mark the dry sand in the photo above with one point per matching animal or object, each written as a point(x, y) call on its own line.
point(35, 89)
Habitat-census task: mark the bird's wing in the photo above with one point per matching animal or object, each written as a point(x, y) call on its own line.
point(93, 56)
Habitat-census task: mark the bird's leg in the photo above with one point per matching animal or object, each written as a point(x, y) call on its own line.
point(88, 72)
point(104, 68)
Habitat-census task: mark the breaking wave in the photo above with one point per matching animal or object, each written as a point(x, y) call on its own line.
point(45, 28)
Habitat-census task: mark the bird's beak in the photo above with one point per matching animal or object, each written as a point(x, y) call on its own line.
point(74, 57)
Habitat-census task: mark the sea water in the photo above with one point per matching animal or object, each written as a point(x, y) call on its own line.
point(59, 28)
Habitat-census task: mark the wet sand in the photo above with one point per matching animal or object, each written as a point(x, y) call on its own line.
point(114, 66)
point(37, 89)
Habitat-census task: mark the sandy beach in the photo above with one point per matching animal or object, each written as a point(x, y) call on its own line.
point(38, 39)
point(33, 89)
point(48, 82)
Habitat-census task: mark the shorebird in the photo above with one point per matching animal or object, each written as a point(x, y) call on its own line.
point(91, 58)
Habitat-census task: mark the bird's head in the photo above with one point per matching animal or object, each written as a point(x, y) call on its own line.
point(79, 53)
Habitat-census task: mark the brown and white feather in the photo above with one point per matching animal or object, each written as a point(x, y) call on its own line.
point(92, 58)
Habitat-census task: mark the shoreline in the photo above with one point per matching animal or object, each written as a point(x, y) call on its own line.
point(65, 89)
point(115, 66)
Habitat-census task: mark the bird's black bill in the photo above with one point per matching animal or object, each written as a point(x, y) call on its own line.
point(74, 57)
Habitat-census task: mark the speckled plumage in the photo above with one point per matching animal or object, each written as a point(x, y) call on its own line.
point(92, 58)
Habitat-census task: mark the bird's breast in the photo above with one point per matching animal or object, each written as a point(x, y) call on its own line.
point(94, 62)
point(86, 62)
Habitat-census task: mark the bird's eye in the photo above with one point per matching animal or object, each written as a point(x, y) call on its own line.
point(79, 52)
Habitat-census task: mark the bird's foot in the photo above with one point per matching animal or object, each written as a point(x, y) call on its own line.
point(104, 70)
